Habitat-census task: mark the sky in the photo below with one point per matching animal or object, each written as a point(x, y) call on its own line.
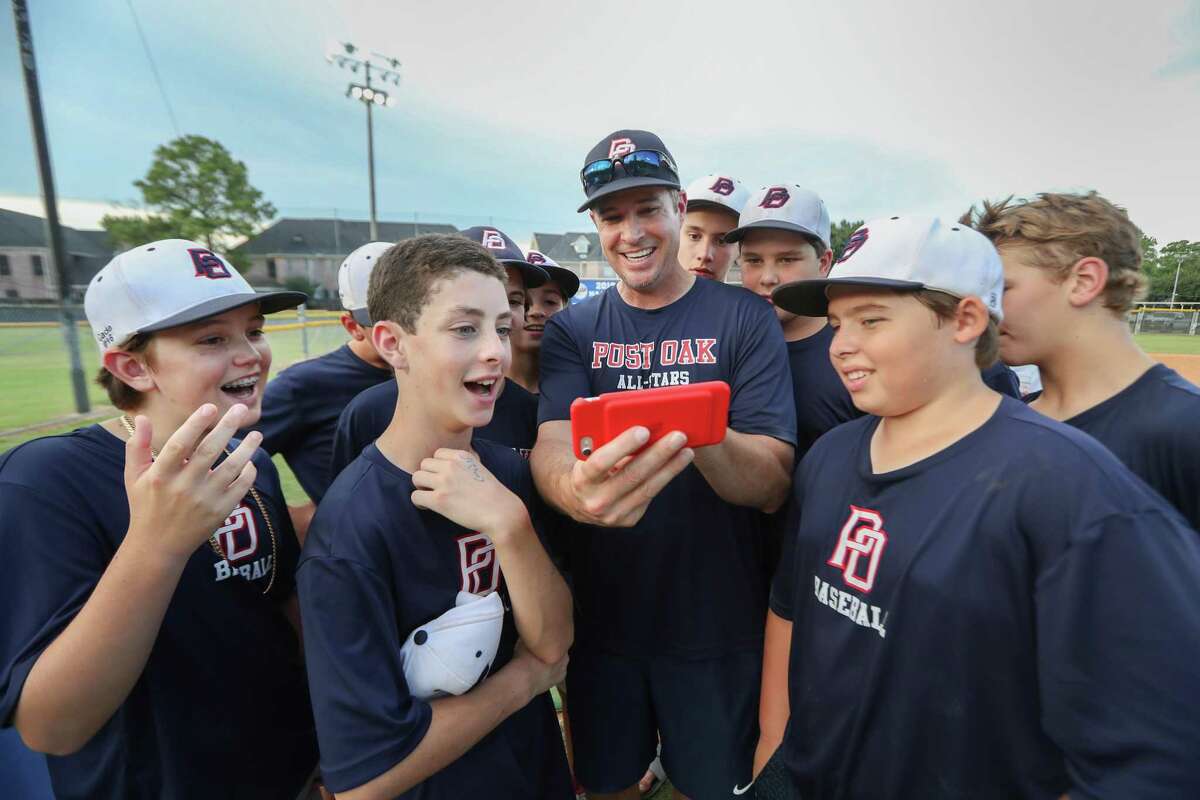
point(882, 108)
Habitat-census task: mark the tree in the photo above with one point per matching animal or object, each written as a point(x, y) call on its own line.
point(195, 189)
point(839, 233)
point(1183, 256)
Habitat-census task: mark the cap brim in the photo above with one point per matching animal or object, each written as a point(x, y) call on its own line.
point(622, 184)
point(566, 280)
point(360, 316)
point(269, 303)
point(533, 275)
point(711, 205)
point(809, 298)
point(739, 233)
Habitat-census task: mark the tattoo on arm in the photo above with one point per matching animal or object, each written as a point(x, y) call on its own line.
point(473, 467)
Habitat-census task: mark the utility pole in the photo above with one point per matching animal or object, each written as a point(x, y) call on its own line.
point(387, 72)
point(58, 255)
point(1175, 288)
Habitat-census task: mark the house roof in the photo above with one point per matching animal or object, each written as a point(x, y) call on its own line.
point(289, 236)
point(26, 230)
point(562, 247)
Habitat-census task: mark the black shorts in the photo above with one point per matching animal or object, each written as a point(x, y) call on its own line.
point(706, 712)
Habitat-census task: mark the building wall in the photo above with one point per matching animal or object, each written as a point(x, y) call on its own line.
point(18, 274)
point(321, 269)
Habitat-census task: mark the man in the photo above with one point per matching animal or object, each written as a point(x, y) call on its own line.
point(427, 521)
point(977, 601)
point(668, 549)
point(514, 422)
point(302, 404)
point(543, 302)
point(1072, 271)
point(713, 205)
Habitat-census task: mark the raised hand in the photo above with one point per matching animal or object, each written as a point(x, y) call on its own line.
point(613, 487)
point(178, 499)
point(456, 485)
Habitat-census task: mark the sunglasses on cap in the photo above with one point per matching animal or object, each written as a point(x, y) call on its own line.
point(638, 164)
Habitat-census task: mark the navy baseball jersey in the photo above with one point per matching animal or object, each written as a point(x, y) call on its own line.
point(301, 407)
point(221, 708)
point(691, 578)
point(1153, 426)
point(514, 421)
point(822, 401)
point(374, 568)
point(1010, 617)
point(1000, 378)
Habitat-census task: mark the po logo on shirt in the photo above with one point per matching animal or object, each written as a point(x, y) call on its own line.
point(238, 536)
point(208, 264)
point(477, 564)
point(859, 548)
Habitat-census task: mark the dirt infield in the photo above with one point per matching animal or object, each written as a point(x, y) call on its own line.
point(1186, 365)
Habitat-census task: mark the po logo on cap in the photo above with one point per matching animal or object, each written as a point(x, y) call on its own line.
point(621, 147)
point(535, 257)
point(207, 264)
point(854, 243)
point(722, 186)
point(776, 197)
point(492, 240)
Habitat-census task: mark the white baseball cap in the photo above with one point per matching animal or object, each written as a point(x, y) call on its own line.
point(354, 277)
point(717, 191)
point(168, 283)
point(784, 207)
point(906, 253)
point(452, 653)
point(566, 280)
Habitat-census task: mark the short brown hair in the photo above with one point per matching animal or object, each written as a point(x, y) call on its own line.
point(403, 278)
point(945, 306)
point(1060, 229)
point(121, 394)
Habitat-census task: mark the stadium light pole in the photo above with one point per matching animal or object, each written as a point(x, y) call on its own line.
point(58, 253)
point(1175, 288)
point(370, 96)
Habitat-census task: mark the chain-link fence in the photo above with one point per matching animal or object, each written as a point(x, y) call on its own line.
point(35, 367)
point(1160, 317)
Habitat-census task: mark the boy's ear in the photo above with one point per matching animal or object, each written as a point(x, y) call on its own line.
point(825, 262)
point(970, 320)
point(356, 331)
point(1086, 281)
point(389, 340)
point(128, 368)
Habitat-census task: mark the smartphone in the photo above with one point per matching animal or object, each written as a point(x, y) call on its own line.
point(699, 410)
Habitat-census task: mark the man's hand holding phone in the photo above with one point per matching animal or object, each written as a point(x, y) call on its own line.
point(613, 486)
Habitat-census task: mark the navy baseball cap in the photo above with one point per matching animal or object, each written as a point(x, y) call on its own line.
point(566, 280)
point(504, 250)
point(601, 176)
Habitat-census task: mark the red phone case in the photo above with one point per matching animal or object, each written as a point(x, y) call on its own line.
point(700, 410)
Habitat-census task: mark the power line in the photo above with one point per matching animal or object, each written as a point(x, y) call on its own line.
point(153, 68)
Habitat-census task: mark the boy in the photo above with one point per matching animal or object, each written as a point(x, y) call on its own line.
point(980, 601)
point(424, 514)
point(668, 550)
point(783, 236)
point(713, 205)
point(1072, 270)
point(302, 404)
point(514, 422)
point(544, 302)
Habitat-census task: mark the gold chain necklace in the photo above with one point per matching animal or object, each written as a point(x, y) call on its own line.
point(130, 428)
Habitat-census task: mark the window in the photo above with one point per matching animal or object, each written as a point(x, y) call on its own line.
point(38, 269)
point(4, 268)
point(272, 270)
point(11, 294)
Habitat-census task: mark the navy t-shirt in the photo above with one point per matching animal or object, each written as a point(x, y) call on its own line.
point(221, 708)
point(301, 407)
point(691, 577)
point(822, 401)
point(1010, 617)
point(514, 421)
point(999, 377)
point(375, 568)
point(1153, 426)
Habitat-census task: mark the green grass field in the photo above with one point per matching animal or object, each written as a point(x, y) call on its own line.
point(37, 386)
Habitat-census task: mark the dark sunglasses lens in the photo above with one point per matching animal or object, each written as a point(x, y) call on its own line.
point(643, 163)
point(597, 174)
